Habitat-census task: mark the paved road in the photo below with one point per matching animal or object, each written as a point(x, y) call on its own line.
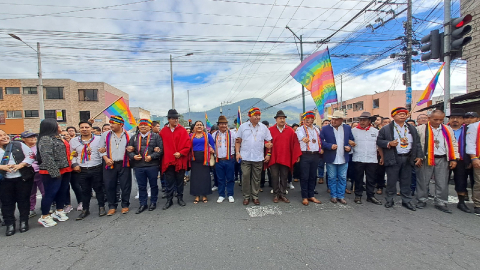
point(279, 236)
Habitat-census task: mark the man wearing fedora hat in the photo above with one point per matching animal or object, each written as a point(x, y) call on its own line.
point(364, 157)
point(225, 165)
point(176, 148)
point(283, 156)
point(336, 140)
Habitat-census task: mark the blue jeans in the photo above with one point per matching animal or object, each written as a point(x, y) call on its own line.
point(56, 190)
point(225, 170)
point(146, 175)
point(337, 179)
point(321, 168)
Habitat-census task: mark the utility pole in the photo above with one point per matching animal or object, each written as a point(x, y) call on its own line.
point(188, 100)
point(171, 83)
point(301, 59)
point(408, 57)
point(221, 106)
point(446, 49)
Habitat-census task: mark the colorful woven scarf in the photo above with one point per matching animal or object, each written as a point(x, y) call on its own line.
point(139, 139)
point(85, 155)
point(461, 142)
point(206, 159)
point(478, 142)
point(126, 162)
point(307, 134)
point(228, 144)
point(431, 142)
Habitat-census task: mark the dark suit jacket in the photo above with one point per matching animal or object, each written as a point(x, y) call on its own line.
point(328, 139)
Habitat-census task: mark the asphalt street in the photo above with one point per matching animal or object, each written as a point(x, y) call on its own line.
point(269, 236)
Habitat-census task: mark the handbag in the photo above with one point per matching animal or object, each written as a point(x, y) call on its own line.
point(5, 159)
point(212, 160)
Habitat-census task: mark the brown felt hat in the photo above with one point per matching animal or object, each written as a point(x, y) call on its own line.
point(222, 119)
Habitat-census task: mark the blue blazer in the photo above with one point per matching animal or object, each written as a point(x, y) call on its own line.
point(328, 139)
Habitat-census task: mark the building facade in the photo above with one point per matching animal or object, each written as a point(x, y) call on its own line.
point(140, 113)
point(471, 51)
point(66, 100)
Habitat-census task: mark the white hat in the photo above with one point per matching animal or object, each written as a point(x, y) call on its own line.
point(337, 115)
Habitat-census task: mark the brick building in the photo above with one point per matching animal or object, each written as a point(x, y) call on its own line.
point(471, 52)
point(66, 100)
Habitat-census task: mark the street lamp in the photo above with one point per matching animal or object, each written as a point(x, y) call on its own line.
point(41, 112)
point(171, 76)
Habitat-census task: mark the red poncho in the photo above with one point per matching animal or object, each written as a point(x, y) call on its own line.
point(176, 141)
point(286, 148)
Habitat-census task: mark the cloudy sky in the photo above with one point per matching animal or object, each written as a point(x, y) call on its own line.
point(241, 48)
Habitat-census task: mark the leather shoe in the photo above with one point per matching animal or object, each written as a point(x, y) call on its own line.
point(23, 226)
point(374, 200)
point(320, 180)
point(167, 204)
point(333, 200)
point(421, 205)
point(389, 204)
point(125, 210)
point(84, 214)
point(358, 200)
point(246, 202)
point(315, 192)
point(141, 209)
point(256, 202)
point(463, 207)
point(314, 200)
point(164, 195)
point(379, 191)
point(152, 207)
point(181, 202)
point(102, 212)
point(111, 212)
point(342, 201)
point(348, 191)
point(275, 199)
point(283, 198)
point(305, 201)
point(409, 206)
point(443, 208)
point(10, 230)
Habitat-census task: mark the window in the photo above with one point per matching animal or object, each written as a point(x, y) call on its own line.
point(2, 117)
point(30, 90)
point(54, 92)
point(12, 90)
point(84, 115)
point(59, 115)
point(358, 106)
point(349, 106)
point(376, 103)
point(31, 113)
point(1, 95)
point(14, 114)
point(87, 94)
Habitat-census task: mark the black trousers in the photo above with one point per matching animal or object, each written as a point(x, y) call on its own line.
point(75, 185)
point(174, 180)
point(362, 169)
point(380, 178)
point(91, 178)
point(262, 178)
point(13, 192)
point(114, 178)
point(308, 178)
point(401, 172)
point(460, 175)
point(279, 179)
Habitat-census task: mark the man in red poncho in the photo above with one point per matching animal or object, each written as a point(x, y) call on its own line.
point(176, 146)
point(284, 155)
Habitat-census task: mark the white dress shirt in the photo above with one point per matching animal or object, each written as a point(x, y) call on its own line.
point(95, 159)
point(313, 134)
point(29, 159)
point(471, 140)
point(401, 130)
point(253, 141)
point(365, 150)
point(339, 137)
point(438, 135)
point(221, 143)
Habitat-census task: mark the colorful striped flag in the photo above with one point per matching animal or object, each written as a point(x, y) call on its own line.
point(316, 74)
point(239, 118)
point(120, 107)
point(428, 93)
point(208, 125)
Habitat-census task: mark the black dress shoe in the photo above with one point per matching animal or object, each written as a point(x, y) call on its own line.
point(315, 192)
point(168, 204)
point(181, 202)
point(358, 200)
point(421, 205)
point(152, 207)
point(164, 195)
point(24, 226)
point(164, 189)
point(443, 208)
point(10, 230)
point(83, 215)
point(464, 207)
point(374, 201)
point(141, 209)
point(102, 212)
point(389, 204)
point(409, 206)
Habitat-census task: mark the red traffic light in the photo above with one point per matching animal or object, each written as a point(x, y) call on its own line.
point(465, 20)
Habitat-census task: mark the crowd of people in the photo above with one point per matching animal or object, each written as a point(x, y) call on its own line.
point(411, 154)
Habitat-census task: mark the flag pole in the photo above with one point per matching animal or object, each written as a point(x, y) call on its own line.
point(106, 108)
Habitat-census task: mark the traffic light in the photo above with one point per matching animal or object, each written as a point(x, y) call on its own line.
point(432, 48)
point(404, 78)
point(460, 28)
point(189, 122)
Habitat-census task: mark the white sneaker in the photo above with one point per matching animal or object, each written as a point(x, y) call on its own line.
point(271, 191)
point(291, 186)
point(67, 209)
point(214, 188)
point(231, 199)
point(80, 207)
point(47, 222)
point(137, 196)
point(220, 199)
point(60, 216)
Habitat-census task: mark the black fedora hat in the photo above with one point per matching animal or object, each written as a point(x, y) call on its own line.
point(457, 112)
point(172, 113)
point(280, 114)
